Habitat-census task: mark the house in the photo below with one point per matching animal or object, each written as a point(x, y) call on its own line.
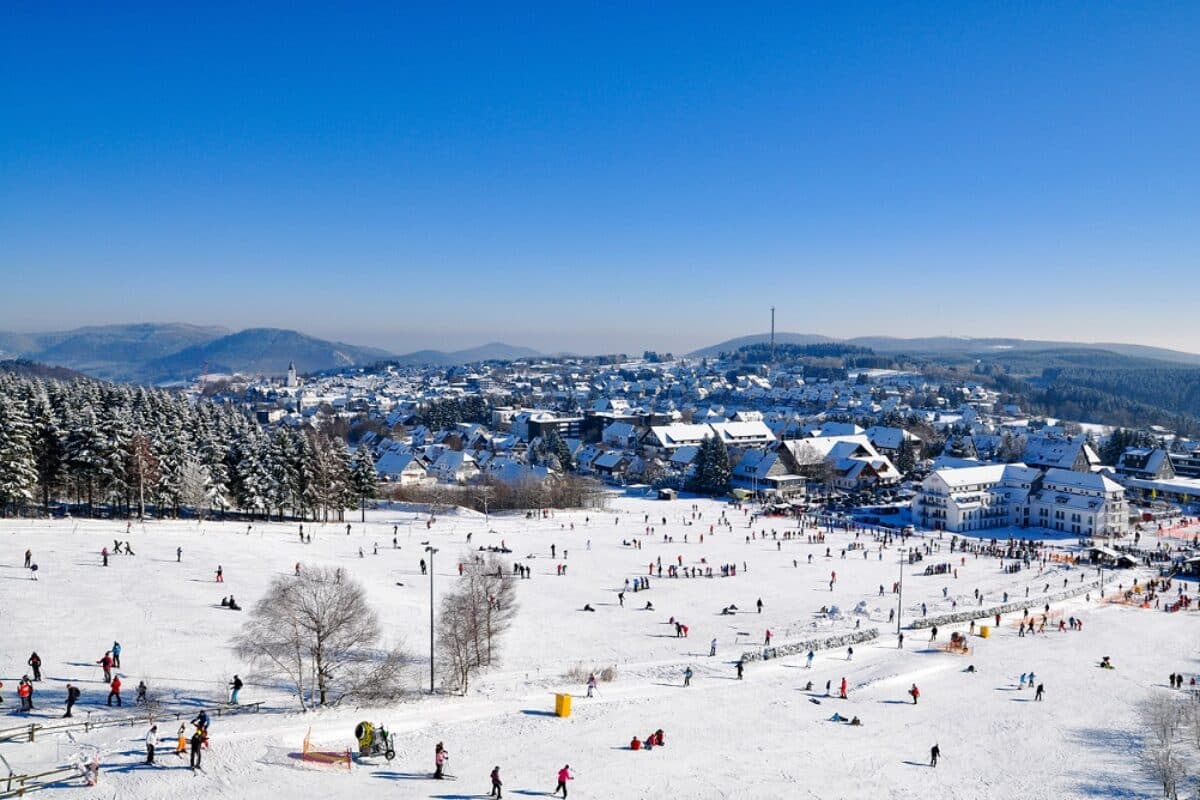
point(619, 434)
point(612, 464)
point(1147, 463)
point(454, 466)
point(850, 462)
point(1053, 451)
point(887, 439)
point(404, 468)
point(743, 434)
point(677, 435)
point(765, 471)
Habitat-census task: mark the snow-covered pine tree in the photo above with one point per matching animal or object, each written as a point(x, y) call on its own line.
point(18, 469)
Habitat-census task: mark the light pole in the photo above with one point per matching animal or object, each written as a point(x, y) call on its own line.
point(900, 594)
point(431, 550)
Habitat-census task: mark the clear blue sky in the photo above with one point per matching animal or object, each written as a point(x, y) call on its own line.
point(598, 177)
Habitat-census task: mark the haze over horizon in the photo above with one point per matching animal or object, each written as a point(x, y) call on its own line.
point(579, 178)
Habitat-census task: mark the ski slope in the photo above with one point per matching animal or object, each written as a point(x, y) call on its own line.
point(764, 736)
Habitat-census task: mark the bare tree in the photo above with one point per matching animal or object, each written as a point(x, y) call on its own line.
point(475, 614)
point(1161, 716)
point(317, 632)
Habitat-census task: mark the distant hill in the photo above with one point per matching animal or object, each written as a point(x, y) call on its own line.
point(947, 345)
point(32, 369)
point(266, 351)
point(107, 351)
point(730, 345)
point(492, 351)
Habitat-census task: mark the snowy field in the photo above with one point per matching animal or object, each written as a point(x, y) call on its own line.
point(762, 737)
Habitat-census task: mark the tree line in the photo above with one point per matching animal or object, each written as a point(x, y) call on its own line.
point(129, 450)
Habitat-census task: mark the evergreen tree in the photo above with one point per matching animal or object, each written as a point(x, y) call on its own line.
point(364, 478)
point(906, 462)
point(712, 472)
point(18, 468)
point(47, 447)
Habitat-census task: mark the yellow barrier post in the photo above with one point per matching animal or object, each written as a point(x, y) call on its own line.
point(562, 705)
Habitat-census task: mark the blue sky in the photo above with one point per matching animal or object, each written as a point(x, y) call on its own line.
point(601, 177)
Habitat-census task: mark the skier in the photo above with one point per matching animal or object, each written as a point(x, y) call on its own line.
point(934, 753)
point(220, 574)
point(104, 555)
point(496, 782)
point(28, 558)
point(181, 740)
point(809, 660)
point(591, 684)
point(741, 665)
point(178, 554)
point(116, 654)
point(106, 664)
point(687, 677)
point(564, 775)
point(72, 697)
point(151, 741)
point(1040, 690)
point(35, 663)
point(712, 647)
point(115, 690)
point(198, 738)
point(760, 605)
point(25, 692)
point(915, 693)
point(440, 754)
point(236, 684)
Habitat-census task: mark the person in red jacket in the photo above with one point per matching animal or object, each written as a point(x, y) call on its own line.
point(25, 692)
point(843, 689)
point(106, 664)
point(115, 690)
point(915, 693)
point(636, 744)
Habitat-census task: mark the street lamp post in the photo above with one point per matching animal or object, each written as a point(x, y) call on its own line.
point(900, 594)
point(431, 550)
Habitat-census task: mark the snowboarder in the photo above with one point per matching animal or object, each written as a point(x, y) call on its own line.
point(496, 782)
point(564, 775)
point(35, 663)
point(440, 754)
point(236, 684)
point(151, 741)
point(934, 753)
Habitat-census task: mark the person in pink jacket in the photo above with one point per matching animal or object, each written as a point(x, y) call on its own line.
point(564, 775)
